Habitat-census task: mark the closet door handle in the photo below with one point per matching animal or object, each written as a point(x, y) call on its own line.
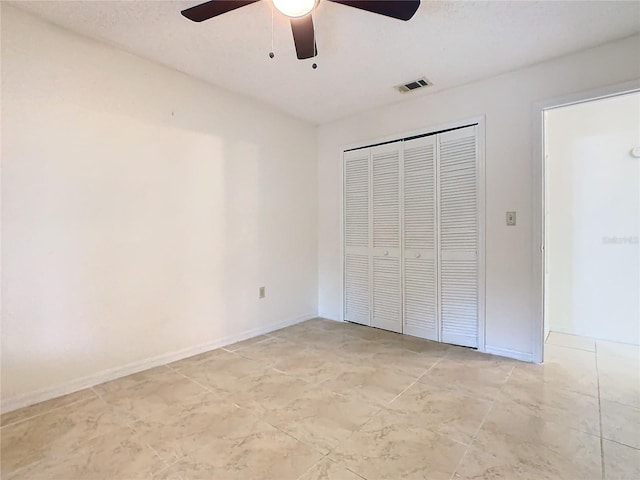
point(386, 252)
point(418, 255)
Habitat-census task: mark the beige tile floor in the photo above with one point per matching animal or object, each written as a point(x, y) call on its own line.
point(329, 400)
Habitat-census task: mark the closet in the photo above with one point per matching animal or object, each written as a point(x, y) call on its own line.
point(411, 236)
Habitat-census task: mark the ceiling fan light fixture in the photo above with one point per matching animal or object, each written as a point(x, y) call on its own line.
point(295, 8)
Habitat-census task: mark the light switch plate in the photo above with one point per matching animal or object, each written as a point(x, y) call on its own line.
point(261, 292)
point(511, 218)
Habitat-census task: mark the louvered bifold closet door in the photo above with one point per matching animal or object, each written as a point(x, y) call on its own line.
point(387, 288)
point(458, 208)
point(357, 220)
point(419, 237)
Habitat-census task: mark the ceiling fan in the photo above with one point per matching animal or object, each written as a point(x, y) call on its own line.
point(300, 14)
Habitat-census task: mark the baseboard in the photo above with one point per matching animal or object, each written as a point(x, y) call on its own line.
point(24, 400)
point(505, 352)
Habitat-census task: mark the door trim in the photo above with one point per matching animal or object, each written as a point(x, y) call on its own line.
point(537, 217)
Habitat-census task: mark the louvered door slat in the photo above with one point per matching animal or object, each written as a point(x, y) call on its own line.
point(357, 288)
point(458, 207)
point(386, 201)
point(419, 234)
point(420, 308)
point(357, 257)
point(356, 201)
point(387, 286)
point(387, 299)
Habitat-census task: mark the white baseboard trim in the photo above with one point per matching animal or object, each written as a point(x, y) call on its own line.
point(24, 400)
point(505, 352)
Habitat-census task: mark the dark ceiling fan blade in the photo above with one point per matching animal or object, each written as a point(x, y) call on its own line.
point(400, 9)
point(304, 37)
point(213, 8)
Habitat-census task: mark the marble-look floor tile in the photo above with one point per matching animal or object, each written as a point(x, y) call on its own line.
point(46, 406)
point(411, 363)
point(222, 372)
point(57, 432)
point(381, 405)
point(425, 348)
point(320, 418)
point(149, 396)
point(268, 390)
point(619, 379)
point(625, 350)
point(328, 325)
point(508, 421)
point(167, 474)
point(447, 412)
point(476, 358)
point(370, 333)
point(270, 351)
point(313, 335)
point(310, 365)
point(369, 384)
point(392, 446)
point(161, 374)
point(199, 359)
point(118, 454)
point(185, 428)
point(502, 451)
point(620, 462)
point(265, 454)
point(481, 380)
point(327, 469)
point(552, 403)
point(571, 358)
point(246, 343)
point(580, 379)
point(571, 341)
point(621, 423)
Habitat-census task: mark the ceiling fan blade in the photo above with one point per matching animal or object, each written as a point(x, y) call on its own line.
point(304, 37)
point(213, 8)
point(400, 9)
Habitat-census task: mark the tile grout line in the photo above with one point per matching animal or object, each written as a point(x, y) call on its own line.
point(416, 380)
point(620, 443)
point(599, 413)
point(50, 410)
point(309, 469)
point(97, 394)
point(493, 402)
point(207, 389)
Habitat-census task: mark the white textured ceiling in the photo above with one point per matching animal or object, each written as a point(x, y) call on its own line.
point(361, 55)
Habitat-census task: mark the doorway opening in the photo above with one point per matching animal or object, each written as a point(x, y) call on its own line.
point(591, 222)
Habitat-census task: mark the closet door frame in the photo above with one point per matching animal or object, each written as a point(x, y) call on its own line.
point(429, 130)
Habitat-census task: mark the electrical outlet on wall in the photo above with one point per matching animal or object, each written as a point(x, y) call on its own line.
point(261, 292)
point(511, 218)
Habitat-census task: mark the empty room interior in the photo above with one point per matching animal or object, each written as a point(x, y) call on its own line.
point(320, 239)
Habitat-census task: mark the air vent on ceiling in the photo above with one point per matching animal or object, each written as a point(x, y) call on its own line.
point(414, 85)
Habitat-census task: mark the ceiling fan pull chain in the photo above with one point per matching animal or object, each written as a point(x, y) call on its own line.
point(315, 18)
point(271, 54)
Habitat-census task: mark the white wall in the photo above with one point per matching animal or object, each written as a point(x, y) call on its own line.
point(593, 219)
point(141, 211)
point(507, 102)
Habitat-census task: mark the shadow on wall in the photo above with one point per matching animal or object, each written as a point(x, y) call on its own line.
point(141, 209)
